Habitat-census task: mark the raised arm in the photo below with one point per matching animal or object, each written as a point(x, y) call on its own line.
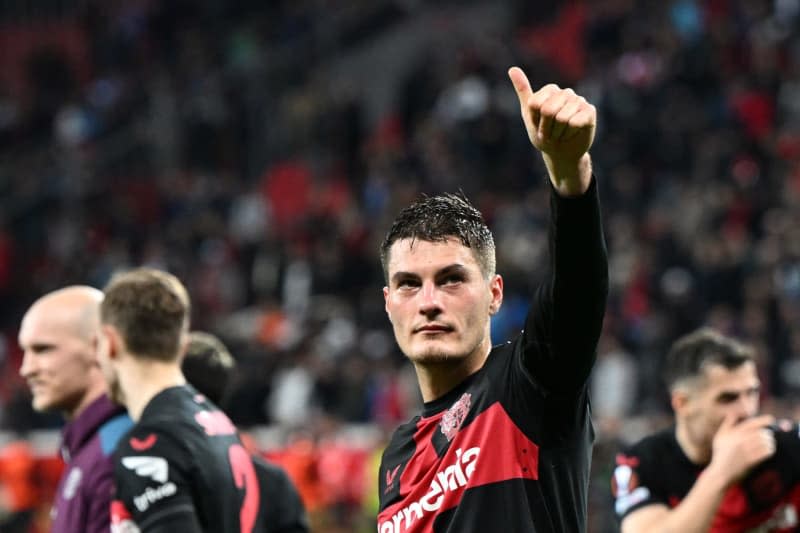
point(566, 317)
point(561, 125)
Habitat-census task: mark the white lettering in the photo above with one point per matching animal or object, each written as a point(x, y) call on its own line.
point(415, 508)
point(152, 495)
point(449, 479)
point(434, 491)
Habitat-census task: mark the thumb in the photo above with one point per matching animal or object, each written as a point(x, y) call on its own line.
point(521, 84)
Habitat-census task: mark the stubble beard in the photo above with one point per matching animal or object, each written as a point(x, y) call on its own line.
point(435, 356)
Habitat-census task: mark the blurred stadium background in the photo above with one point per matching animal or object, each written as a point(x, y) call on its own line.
point(258, 151)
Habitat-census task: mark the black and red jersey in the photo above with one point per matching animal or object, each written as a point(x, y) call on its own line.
point(655, 471)
point(509, 448)
point(183, 468)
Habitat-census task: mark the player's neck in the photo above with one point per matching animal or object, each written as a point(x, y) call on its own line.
point(96, 389)
point(437, 379)
point(142, 380)
point(699, 455)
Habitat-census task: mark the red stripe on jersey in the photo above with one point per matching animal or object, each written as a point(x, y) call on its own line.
point(490, 449)
point(119, 512)
point(734, 514)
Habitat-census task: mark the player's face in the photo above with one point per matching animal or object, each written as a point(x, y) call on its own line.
point(58, 359)
point(723, 392)
point(438, 301)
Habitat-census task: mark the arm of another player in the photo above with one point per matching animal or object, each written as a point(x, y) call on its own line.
point(567, 314)
point(152, 488)
point(736, 449)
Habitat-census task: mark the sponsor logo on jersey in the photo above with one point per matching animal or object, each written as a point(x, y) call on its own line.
point(71, 484)
point(450, 480)
point(152, 495)
point(155, 468)
point(454, 417)
point(141, 445)
point(390, 475)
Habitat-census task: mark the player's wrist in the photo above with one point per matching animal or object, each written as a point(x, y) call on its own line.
point(569, 177)
point(719, 476)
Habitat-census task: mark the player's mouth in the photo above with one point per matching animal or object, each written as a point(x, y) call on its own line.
point(36, 388)
point(431, 329)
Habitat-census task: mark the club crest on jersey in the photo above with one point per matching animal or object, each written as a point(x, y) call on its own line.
point(623, 481)
point(454, 417)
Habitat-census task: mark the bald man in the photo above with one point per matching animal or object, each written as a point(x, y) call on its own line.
point(59, 338)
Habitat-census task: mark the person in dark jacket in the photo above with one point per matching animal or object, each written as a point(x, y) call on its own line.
point(58, 336)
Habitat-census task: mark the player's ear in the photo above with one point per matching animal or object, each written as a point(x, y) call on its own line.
point(679, 399)
point(184, 345)
point(496, 288)
point(109, 342)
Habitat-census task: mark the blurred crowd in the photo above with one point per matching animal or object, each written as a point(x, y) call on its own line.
point(258, 150)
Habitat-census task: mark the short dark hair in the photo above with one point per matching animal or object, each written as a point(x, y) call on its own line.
point(437, 218)
point(208, 365)
point(151, 309)
point(691, 354)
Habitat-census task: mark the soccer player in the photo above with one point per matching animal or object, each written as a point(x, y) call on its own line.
point(722, 467)
point(208, 366)
point(182, 466)
point(59, 336)
point(504, 440)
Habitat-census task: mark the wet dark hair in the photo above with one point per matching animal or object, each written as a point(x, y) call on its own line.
point(437, 218)
point(691, 354)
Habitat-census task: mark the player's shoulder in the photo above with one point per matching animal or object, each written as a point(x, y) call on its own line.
point(267, 469)
point(404, 432)
point(651, 448)
point(112, 432)
point(151, 438)
point(402, 439)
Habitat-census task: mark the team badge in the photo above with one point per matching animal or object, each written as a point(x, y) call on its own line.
point(454, 417)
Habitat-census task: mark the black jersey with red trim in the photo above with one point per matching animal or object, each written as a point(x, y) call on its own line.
point(509, 448)
point(655, 471)
point(183, 468)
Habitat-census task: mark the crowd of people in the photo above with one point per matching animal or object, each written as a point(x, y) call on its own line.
point(259, 152)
